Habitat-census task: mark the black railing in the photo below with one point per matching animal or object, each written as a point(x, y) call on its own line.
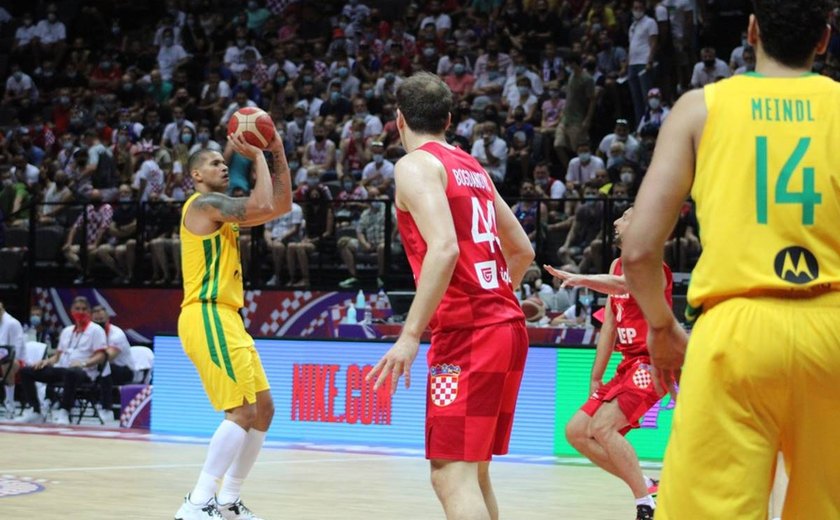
point(45, 258)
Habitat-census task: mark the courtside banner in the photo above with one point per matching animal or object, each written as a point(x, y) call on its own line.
point(321, 396)
point(574, 369)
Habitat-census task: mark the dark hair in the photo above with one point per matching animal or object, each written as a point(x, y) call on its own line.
point(425, 102)
point(196, 159)
point(791, 29)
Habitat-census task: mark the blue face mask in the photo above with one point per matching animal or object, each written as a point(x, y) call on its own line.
point(343, 72)
point(458, 69)
point(186, 138)
point(335, 96)
point(312, 181)
point(35, 320)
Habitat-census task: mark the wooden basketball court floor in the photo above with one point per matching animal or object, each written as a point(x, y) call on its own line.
point(94, 473)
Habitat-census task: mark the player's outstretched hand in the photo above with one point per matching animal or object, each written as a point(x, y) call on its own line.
point(667, 347)
point(395, 363)
point(243, 147)
point(571, 280)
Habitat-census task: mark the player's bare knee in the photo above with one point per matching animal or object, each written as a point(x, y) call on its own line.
point(265, 412)
point(244, 415)
point(577, 431)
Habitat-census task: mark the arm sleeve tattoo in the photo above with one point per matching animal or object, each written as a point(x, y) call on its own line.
point(229, 207)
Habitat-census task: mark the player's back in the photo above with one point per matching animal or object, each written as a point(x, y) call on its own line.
point(767, 188)
point(480, 291)
point(211, 265)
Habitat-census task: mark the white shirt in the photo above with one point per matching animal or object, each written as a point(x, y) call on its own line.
point(19, 87)
point(153, 175)
point(465, 128)
point(373, 126)
point(222, 90)
point(702, 77)
point(640, 32)
point(355, 12)
point(11, 333)
point(281, 226)
point(288, 67)
point(499, 150)
point(677, 10)
point(312, 108)
point(51, 32)
point(631, 146)
point(737, 56)
point(168, 58)
point(24, 35)
point(116, 338)
point(580, 173)
point(80, 346)
point(442, 22)
point(386, 169)
point(235, 57)
point(172, 132)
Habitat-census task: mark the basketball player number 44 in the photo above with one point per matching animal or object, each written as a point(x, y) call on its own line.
point(484, 230)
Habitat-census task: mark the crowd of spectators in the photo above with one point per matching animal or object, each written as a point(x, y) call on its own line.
point(560, 100)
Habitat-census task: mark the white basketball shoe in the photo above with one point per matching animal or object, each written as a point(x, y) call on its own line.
point(190, 511)
point(236, 511)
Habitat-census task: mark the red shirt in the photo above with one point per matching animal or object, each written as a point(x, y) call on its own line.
point(480, 291)
point(630, 322)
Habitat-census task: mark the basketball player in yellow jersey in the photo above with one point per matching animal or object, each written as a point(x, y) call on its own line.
point(210, 328)
point(758, 153)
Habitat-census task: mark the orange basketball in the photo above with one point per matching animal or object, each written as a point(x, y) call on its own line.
point(254, 124)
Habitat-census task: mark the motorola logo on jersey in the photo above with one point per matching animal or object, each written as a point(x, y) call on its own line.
point(797, 265)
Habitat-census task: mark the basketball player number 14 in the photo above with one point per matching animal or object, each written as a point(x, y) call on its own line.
point(808, 197)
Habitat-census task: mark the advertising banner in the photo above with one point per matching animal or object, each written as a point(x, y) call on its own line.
point(321, 396)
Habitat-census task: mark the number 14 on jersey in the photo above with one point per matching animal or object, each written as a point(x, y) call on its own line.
point(808, 198)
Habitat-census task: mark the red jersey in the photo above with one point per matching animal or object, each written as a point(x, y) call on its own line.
point(480, 292)
point(629, 321)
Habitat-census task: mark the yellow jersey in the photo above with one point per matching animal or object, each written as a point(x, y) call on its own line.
point(210, 264)
point(767, 189)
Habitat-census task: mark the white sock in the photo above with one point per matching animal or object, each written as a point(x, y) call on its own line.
point(224, 446)
point(648, 481)
point(10, 395)
point(241, 466)
point(646, 501)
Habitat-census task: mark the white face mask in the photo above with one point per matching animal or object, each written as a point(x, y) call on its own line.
point(654, 103)
point(637, 14)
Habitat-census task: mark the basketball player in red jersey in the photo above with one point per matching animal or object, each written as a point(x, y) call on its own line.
point(467, 252)
point(597, 430)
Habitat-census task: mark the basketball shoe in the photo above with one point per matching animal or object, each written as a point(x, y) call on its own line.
point(236, 511)
point(653, 487)
point(644, 513)
point(190, 511)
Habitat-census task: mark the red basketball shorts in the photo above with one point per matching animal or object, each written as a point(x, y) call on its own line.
point(632, 386)
point(474, 377)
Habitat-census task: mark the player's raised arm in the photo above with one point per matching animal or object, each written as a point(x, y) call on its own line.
point(516, 247)
point(281, 179)
point(218, 207)
point(602, 283)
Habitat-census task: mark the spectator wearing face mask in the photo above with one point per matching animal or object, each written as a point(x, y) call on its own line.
point(170, 56)
point(204, 141)
point(336, 104)
point(319, 156)
point(354, 150)
point(621, 134)
point(644, 34)
point(586, 228)
point(20, 89)
point(117, 250)
point(318, 228)
point(749, 61)
point(234, 58)
point(583, 167)
point(489, 83)
point(656, 112)
point(56, 195)
point(709, 69)
point(460, 81)
point(25, 38)
point(52, 34)
point(279, 234)
point(379, 172)
point(522, 97)
point(491, 152)
point(349, 84)
point(106, 77)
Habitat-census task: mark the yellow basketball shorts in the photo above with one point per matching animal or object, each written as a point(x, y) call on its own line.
point(215, 340)
point(761, 375)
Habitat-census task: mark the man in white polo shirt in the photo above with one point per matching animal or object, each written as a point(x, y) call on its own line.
point(644, 33)
point(74, 362)
point(118, 355)
point(11, 334)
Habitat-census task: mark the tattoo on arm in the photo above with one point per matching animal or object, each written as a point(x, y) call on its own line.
point(278, 181)
point(227, 206)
